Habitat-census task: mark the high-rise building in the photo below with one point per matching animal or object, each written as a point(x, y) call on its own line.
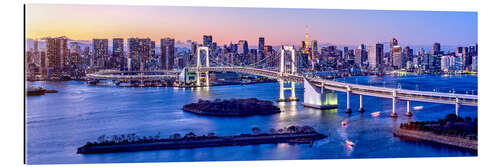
point(261, 44)
point(346, 50)
point(474, 63)
point(139, 51)
point(314, 52)
point(167, 53)
point(191, 59)
point(436, 47)
point(393, 42)
point(170, 53)
point(358, 55)
point(100, 51)
point(268, 51)
point(118, 48)
point(56, 51)
point(118, 52)
point(243, 47)
point(35, 45)
point(260, 49)
point(152, 46)
point(397, 57)
point(207, 41)
point(74, 47)
point(375, 55)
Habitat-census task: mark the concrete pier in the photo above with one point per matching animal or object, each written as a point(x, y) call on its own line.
point(361, 109)
point(393, 114)
point(348, 107)
point(408, 109)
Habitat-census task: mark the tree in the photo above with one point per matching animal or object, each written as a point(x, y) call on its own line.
point(157, 136)
point(255, 130)
point(175, 136)
point(101, 139)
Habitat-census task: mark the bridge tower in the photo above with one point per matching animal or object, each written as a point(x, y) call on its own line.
point(283, 72)
point(198, 65)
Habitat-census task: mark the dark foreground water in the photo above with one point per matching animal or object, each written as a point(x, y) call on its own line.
point(57, 124)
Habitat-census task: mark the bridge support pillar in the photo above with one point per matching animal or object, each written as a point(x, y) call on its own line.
point(282, 91)
point(207, 79)
point(348, 97)
point(361, 109)
point(317, 97)
point(198, 76)
point(408, 109)
point(293, 97)
point(457, 105)
point(393, 114)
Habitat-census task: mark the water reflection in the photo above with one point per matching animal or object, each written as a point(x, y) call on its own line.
point(59, 123)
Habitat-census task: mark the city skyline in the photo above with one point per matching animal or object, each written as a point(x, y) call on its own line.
point(353, 27)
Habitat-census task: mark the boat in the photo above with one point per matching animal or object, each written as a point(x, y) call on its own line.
point(349, 143)
point(418, 107)
point(375, 114)
point(344, 123)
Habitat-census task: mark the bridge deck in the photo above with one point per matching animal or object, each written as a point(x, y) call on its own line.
point(401, 94)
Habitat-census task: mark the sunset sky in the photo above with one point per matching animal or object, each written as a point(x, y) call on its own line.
point(278, 26)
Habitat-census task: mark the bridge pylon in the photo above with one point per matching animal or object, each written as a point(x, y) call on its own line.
point(283, 72)
point(198, 66)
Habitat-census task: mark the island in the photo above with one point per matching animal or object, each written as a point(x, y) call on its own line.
point(34, 91)
point(232, 107)
point(452, 130)
point(133, 143)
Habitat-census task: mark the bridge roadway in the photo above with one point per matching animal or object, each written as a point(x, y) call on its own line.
point(401, 94)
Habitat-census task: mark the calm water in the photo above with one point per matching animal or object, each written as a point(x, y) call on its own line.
point(57, 124)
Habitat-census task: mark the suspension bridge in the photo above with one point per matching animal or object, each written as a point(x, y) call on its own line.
point(318, 92)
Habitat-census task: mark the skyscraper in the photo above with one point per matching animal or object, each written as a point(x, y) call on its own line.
point(191, 59)
point(346, 52)
point(243, 47)
point(207, 41)
point(260, 54)
point(118, 53)
point(375, 55)
point(152, 46)
point(56, 50)
point(408, 56)
point(118, 50)
point(170, 53)
point(100, 51)
point(74, 47)
point(35, 46)
point(139, 50)
point(436, 48)
point(393, 43)
point(167, 53)
point(397, 57)
point(358, 55)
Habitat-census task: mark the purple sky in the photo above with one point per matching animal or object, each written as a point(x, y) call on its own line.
point(278, 26)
